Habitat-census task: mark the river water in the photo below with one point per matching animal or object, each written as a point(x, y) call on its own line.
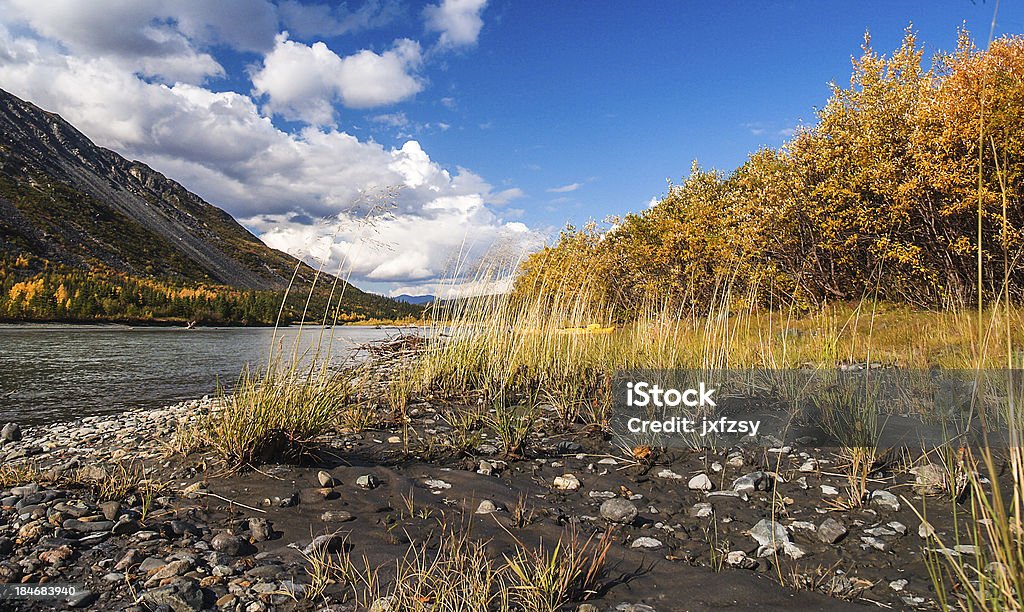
point(52, 373)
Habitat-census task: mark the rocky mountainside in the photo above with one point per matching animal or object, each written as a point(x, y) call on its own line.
point(67, 201)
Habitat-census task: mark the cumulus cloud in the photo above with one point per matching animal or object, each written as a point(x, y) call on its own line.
point(305, 191)
point(458, 21)
point(157, 39)
point(304, 81)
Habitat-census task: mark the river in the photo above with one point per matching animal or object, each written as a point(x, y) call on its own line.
point(52, 373)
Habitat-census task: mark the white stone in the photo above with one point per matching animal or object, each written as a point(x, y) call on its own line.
point(700, 482)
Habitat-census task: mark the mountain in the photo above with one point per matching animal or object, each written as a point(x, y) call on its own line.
point(419, 300)
point(69, 207)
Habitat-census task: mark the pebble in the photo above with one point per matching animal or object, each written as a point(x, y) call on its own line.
point(754, 481)
point(667, 473)
point(180, 596)
point(337, 516)
point(367, 481)
point(929, 478)
point(701, 510)
point(260, 529)
point(227, 543)
point(884, 500)
point(700, 482)
point(566, 482)
point(619, 510)
point(487, 507)
point(437, 484)
point(646, 542)
point(326, 480)
point(831, 531)
point(829, 490)
point(925, 530)
point(11, 432)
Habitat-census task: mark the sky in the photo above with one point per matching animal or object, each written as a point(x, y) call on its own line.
point(404, 142)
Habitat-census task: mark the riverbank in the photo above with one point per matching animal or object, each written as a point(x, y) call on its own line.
point(109, 504)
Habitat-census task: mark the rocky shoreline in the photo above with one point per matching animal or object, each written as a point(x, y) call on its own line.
point(750, 525)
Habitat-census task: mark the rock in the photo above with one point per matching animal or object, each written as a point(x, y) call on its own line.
point(754, 481)
point(739, 559)
point(172, 569)
point(337, 516)
point(260, 529)
point(82, 526)
point(929, 479)
point(566, 482)
point(567, 447)
point(11, 432)
point(585, 607)
point(125, 526)
point(227, 543)
point(898, 585)
point(437, 484)
point(619, 510)
point(631, 607)
point(770, 535)
point(700, 482)
point(873, 542)
point(179, 596)
point(925, 530)
point(487, 507)
point(884, 500)
point(367, 481)
point(831, 531)
point(110, 510)
point(395, 440)
point(385, 604)
point(330, 542)
point(81, 598)
point(829, 490)
point(701, 510)
point(811, 465)
point(646, 542)
point(129, 559)
point(734, 460)
point(486, 468)
point(326, 480)
point(669, 474)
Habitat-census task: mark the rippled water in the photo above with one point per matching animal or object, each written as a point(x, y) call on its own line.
point(50, 373)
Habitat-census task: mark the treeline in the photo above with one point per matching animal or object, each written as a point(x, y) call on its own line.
point(42, 291)
point(882, 197)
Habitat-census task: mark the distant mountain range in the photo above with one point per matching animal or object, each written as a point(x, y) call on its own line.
point(415, 299)
point(68, 205)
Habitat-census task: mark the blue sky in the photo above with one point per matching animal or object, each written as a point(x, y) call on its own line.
point(501, 120)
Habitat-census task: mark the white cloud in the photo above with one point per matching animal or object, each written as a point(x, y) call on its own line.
point(303, 191)
point(565, 188)
point(303, 81)
point(458, 21)
point(157, 39)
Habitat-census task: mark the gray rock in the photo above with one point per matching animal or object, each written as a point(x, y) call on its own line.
point(337, 516)
point(619, 510)
point(11, 432)
point(367, 481)
point(769, 534)
point(487, 507)
point(700, 482)
point(885, 500)
point(646, 542)
point(634, 607)
point(831, 531)
point(260, 529)
point(110, 510)
point(566, 482)
point(87, 526)
point(929, 478)
point(81, 599)
point(331, 542)
point(179, 596)
point(227, 543)
point(754, 481)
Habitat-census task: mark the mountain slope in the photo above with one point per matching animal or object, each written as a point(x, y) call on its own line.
point(64, 199)
point(68, 206)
